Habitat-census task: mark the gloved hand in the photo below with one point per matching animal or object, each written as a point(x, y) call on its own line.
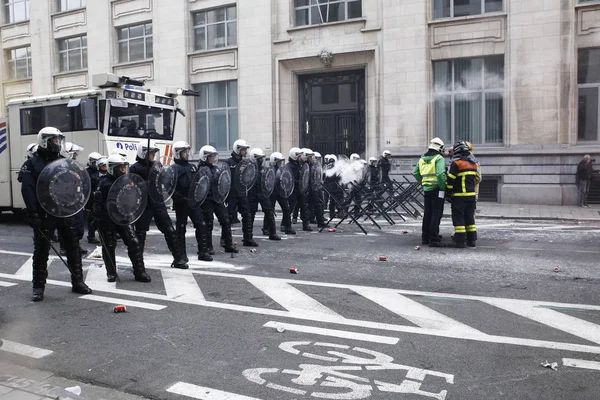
point(34, 220)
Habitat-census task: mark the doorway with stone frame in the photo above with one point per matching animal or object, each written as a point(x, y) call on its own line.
point(332, 112)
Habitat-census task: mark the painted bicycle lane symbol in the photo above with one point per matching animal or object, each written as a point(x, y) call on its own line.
point(344, 377)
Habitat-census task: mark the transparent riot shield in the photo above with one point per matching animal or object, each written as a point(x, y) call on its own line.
point(200, 187)
point(162, 182)
point(221, 182)
point(284, 181)
point(267, 180)
point(304, 179)
point(127, 199)
point(245, 175)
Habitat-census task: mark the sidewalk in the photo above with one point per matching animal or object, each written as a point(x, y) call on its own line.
point(21, 383)
point(536, 212)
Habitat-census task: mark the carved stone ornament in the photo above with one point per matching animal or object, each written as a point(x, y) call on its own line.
point(326, 58)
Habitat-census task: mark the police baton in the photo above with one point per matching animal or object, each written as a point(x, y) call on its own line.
point(54, 248)
point(103, 243)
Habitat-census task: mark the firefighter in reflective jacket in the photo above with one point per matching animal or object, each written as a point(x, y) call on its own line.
point(461, 187)
point(430, 172)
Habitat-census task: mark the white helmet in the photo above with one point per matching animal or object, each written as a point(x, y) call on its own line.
point(206, 151)
point(179, 147)
point(436, 144)
point(93, 158)
point(295, 153)
point(317, 155)
point(372, 160)
point(142, 148)
point(239, 145)
point(305, 154)
point(354, 157)
point(31, 149)
point(103, 161)
point(386, 153)
point(332, 158)
point(71, 147)
point(276, 157)
point(257, 153)
point(45, 136)
point(115, 161)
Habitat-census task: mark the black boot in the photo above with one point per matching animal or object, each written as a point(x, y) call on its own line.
point(247, 225)
point(227, 238)
point(202, 241)
point(270, 220)
point(93, 240)
point(139, 270)
point(181, 242)
point(178, 256)
point(306, 228)
point(471, 239)
point(38, 294)
point(108, 256)
point(77, 283)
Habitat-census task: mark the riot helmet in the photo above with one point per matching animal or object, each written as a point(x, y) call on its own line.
point(50, 139)
point(317, 156)
point(295, 153)
point(182, 150)
point(276, 158)
point(116, 163)
point(209, 154)
point(31, 149)
point(306, 154)
point(372, 161)
point(102, 164)
point(386, 153)
point(93, 160)
point(239, 146)
point(257, 154)
point(142, 150)
point(354, 157)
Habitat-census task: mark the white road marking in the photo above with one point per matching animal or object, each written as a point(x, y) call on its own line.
point(204, 393)
point(555, 319)
point(7, 284)
point(413, 311)
point(157, 261)
point(24, 349)
point(26, 269)
point(584, 364)
point(130, 303)
point(181, 284)
point(289, 297)
point(96, 279)
point(333, 332)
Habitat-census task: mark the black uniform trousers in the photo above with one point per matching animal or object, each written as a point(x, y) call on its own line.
point(183, 211)
point(316, 206)
point(108, 234)
point(463, 219)
point(210, 208)
point(240, 202)
point(432, 216)
point(163, 223)
point(79, 223)
point(298, 199)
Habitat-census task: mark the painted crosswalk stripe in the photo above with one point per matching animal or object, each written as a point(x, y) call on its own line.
point(584, 364)
point(7, 284)
point(333, 332)
point(96, 279)
point(566, 323)
point(181, 284)
point(26, 270)
point(130, 303)
point(23, 349)
point(204, 393)
point(289, 297)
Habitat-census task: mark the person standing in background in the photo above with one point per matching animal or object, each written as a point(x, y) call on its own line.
point(584, 178)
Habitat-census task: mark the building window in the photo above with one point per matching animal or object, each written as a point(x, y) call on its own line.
point(308, 12)
point(469, 99)
point(135, 43)
point(66, 5)
point(216, 28)
point(16, 10)
point(19, 63)
point(462, 8)
point(588, 80)
point(72, 53)
point(217, 115)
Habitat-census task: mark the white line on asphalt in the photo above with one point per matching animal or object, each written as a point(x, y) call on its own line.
point(130, 303)
point(26, 269)
point(7, 284)
point(333, 332)
point(289, 297)
point(96, 279)
point(413, 311)
point(180, 284)
point(23, 349)
point(584, 364)
point(204, 393)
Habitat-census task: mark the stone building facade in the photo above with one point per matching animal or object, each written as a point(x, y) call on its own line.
point(520, 79)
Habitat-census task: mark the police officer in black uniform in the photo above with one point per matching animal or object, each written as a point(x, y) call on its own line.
point(92, 170)
point(330, 182)
point(385, 166)
point(257, 196)
point(49, 146)
point(144, 160)
point(373, 173)
point(185, 173)
point(276, 160)
point(315, 194)
point(208, 158)
point(108, 230)
point(295, 163)
point(239, 201)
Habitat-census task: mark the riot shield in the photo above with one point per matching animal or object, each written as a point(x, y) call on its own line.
point(316, 178)
point(304, 179)
point(161, 182)
point(221, 183)
point(200, 187)
point(267, 180)
point(245, 175)
point(63, 188)
point(284, 181)
point(127, 199)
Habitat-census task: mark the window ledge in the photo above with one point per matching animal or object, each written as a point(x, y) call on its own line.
point(593, 4)
point(65, 12)
point(17, 80)
point(467, 18)
point(134, 63)
point(26, 21)
point(212, 51)
point(66, 73)
point(348, 21)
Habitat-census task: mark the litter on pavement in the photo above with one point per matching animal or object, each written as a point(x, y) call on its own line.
point(553, 365)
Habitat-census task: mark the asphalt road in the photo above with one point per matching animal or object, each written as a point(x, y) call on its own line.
point(427, 323)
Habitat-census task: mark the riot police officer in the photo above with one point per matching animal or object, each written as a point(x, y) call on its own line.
point(184, 171)
point(294, 161)
point(257, 196)
point(145, 159)
point(373, 172)
point(208, 158)
point(92, 170)
point(237, 201)
point(385, 166)
point(315, 194)
point(331, 184)
point(108, 230)
point(49, 146)
point(102, 168)
point(276, 160)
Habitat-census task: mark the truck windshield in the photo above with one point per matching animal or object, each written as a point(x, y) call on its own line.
point(140, 121)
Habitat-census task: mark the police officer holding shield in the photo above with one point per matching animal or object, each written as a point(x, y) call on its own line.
point(208, 158)
point(256, 195)
point(145, 160)
point(94, 174)
point(278, 195)
point(185, 173)
point(297, 197)
point(109, 229)
point(50, 141)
